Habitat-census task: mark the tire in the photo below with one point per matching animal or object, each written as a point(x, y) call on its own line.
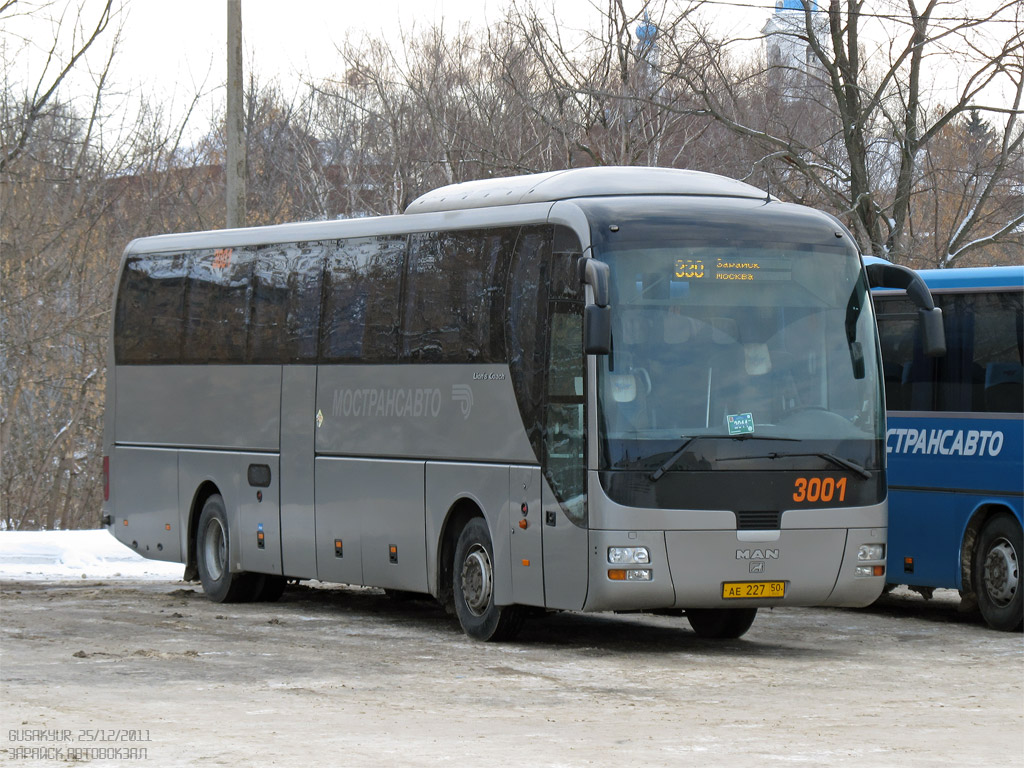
point(213, 544)
point(996, 573)
point(721, 623)
point(267, 588)
point(473, 588)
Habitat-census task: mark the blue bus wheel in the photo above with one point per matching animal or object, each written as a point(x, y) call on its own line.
point(997, 577)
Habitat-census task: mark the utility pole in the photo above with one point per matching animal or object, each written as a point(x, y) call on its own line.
point(235, 165)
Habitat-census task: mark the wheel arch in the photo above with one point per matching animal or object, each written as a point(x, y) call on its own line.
point(205, 490)
point(969, 542)
point(459, 513)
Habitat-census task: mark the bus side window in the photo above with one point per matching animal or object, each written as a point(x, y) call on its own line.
point(526, 296)
point(150, 304)
point(285, 318)
point(361, 285)
point(998, 345)
point(217, 300)
point(453, 296)
point(908, 374)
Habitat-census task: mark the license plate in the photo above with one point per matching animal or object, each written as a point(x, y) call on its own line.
point(732, 590)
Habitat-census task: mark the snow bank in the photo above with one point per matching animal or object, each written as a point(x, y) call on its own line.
point(63, 555)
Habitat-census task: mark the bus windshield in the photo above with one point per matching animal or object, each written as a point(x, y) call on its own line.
point(735, 346)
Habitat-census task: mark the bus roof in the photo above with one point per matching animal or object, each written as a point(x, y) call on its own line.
point(974, 277)
point(581, 182)
point(957, 278)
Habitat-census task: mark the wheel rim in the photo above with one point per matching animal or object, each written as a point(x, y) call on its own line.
point(477, 577)
point(215, 549)
point(1002, 573)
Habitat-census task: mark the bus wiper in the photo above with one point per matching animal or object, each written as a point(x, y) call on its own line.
point(656, 475)
point(831, 457)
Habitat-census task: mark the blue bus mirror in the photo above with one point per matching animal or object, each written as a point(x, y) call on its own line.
point(885, 275)
point(597, 330)
point(933, 335)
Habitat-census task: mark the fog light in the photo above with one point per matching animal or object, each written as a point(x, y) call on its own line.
point(871, 552)
point(625, 555)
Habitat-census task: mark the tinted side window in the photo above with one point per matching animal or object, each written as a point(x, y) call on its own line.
point(982, 368)
point(526, 308)
point(150, 304)
point(217, 300)
point(454, 296)
point(908, 376)
point(362, 284)
point(285, 316)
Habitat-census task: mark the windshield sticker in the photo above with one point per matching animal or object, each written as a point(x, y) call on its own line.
point(740, 423)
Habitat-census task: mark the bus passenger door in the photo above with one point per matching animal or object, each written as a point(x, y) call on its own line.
point(526, 518)
point(564, 460)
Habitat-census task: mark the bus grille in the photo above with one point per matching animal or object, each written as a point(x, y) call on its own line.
point(758, 521)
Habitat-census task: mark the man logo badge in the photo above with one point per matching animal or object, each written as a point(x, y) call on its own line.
point(463, 395)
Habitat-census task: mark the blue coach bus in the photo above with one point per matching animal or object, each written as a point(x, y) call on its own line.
point(954, 440)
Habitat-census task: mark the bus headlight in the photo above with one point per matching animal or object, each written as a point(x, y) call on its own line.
point(871, 552)
point(618, 555)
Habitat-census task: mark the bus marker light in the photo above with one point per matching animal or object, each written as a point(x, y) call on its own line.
point(617, 574)
point(167, 527)
point(126, 521)
point(526, 563)
point(908, 565)
point(523, 524)
point(337, 548)
point(392, 553)
point(106, 478)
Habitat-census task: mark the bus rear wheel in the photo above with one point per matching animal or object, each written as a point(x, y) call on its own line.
point(473, 588)
point(997, 578)
point(721, 623)
point(212, 549)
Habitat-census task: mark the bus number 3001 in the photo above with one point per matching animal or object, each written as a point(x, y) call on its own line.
point(823, 489)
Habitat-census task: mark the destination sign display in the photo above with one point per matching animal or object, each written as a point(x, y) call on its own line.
point(740, 269)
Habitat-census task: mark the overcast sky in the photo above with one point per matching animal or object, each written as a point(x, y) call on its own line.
point(172, 49)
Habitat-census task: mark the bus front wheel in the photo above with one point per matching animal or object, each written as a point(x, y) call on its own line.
point(997, 581)
point(721, 623)
point(213, 548)
point(473, 587)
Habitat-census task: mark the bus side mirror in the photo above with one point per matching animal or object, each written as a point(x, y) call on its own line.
point(597, 317)
point(597, 330)
point(933, 335)
point(885, 275)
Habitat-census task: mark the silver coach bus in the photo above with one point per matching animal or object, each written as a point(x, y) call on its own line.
point(599, 389)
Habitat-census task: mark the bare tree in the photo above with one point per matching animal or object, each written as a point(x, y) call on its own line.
point(872, 116)
point(17, 123)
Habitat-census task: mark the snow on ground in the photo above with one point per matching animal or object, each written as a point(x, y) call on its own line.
point(63, 555)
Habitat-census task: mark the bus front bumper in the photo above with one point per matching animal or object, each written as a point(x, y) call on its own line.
point(735, 569)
